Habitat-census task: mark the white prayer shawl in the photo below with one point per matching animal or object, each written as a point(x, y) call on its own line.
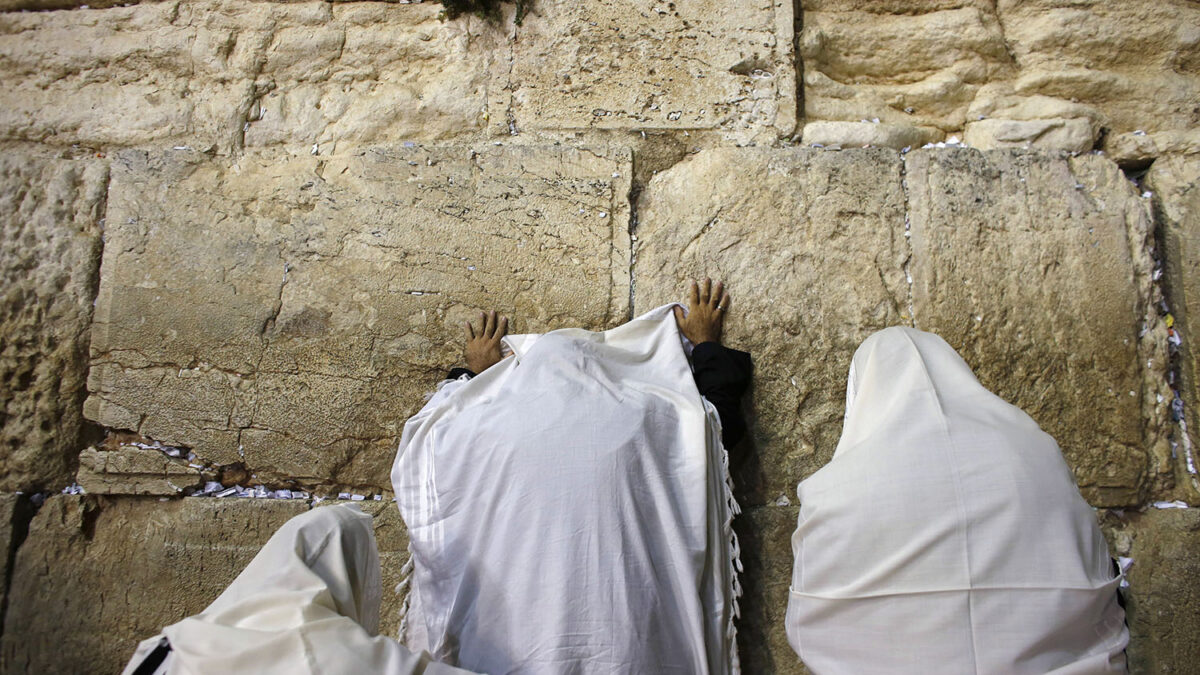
point(569, 512)
point(947, 534)
point(308, 603)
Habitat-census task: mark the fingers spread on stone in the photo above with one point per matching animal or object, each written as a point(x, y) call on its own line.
point(490, 327)
point(470, 330)
point(718, 290)
point(725, 298)
point(503, 330)
point(694, 296)
point(706, 291)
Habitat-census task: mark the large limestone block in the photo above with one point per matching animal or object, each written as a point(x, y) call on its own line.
point(373, 72)
point(96, 576)
point(649, 64)
point(812, 245)
point(867, 134)
point(290, 312)
point(1175, 184)
point(1036, 268)
point(1136, 63)
point(1162, 600)
point(223, 74)
point(51, 213)
point(1073, 135)
point(915, 63)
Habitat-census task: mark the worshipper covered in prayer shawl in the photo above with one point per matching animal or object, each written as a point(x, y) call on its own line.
point(947, 534)
point(307, 603)
point(568, 506)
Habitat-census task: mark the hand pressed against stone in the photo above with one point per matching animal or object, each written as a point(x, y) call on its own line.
point(706, 312)
point(483, 346)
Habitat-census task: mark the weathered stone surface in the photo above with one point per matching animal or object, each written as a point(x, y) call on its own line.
point(289, 312)
point(649, 64)
point(1073, 135)
point(220, 74)
point(1136, 64)
point(765, 535)
point(96, 576)
point(50, 220)
point(863, 134)
point(1037, 270)
point(1119, 66)
point(1140, 148)
point(917, 63)
point(1175, 185)
point(812, 244)
point(1163, 600)
point(135, 471)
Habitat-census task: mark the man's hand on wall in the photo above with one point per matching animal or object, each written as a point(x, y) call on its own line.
point(483, 345)
point(706, 312)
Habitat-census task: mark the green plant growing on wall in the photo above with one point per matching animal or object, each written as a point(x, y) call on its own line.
point(487, 9)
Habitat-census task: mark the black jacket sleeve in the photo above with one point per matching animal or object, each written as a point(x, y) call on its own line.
point(456, 373)
point(722, 376)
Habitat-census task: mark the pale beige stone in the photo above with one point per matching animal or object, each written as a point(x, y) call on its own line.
point(1122, 66)
point(1175, 185)
point(221, 75)
point(864, 134)
point(51, 214)
point(1140, 148)
point(812, 245)
point(1136, 63)
point(136, 471)
point(374, 72)
point(1037, 270)
point(96, 576)
point(1162, 600)
point(1071, 135)
point(904, 63)
point(291, 311)
point(653, 65)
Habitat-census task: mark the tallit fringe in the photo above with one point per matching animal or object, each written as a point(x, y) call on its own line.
point(735, 560)
point(404, 589)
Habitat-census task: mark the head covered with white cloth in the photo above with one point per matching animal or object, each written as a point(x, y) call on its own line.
point(947, 534)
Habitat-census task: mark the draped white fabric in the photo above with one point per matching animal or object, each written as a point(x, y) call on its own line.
point(947, 534)
point(307, 603)
point(568, 510)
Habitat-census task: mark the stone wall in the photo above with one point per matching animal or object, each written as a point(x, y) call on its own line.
point(238, 241)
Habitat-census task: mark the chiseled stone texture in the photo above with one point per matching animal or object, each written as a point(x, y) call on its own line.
point(1036, 268)
point(812, 244)
point(50, 221)
point(1163, 600)
point(1175, 186)
point(881, 58)
point(97, 575)
point(220, 74)
point(652, 64)
point(291, 311)
point(1088, 66)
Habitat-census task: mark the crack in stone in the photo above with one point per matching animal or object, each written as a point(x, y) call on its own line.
point(912, 313)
